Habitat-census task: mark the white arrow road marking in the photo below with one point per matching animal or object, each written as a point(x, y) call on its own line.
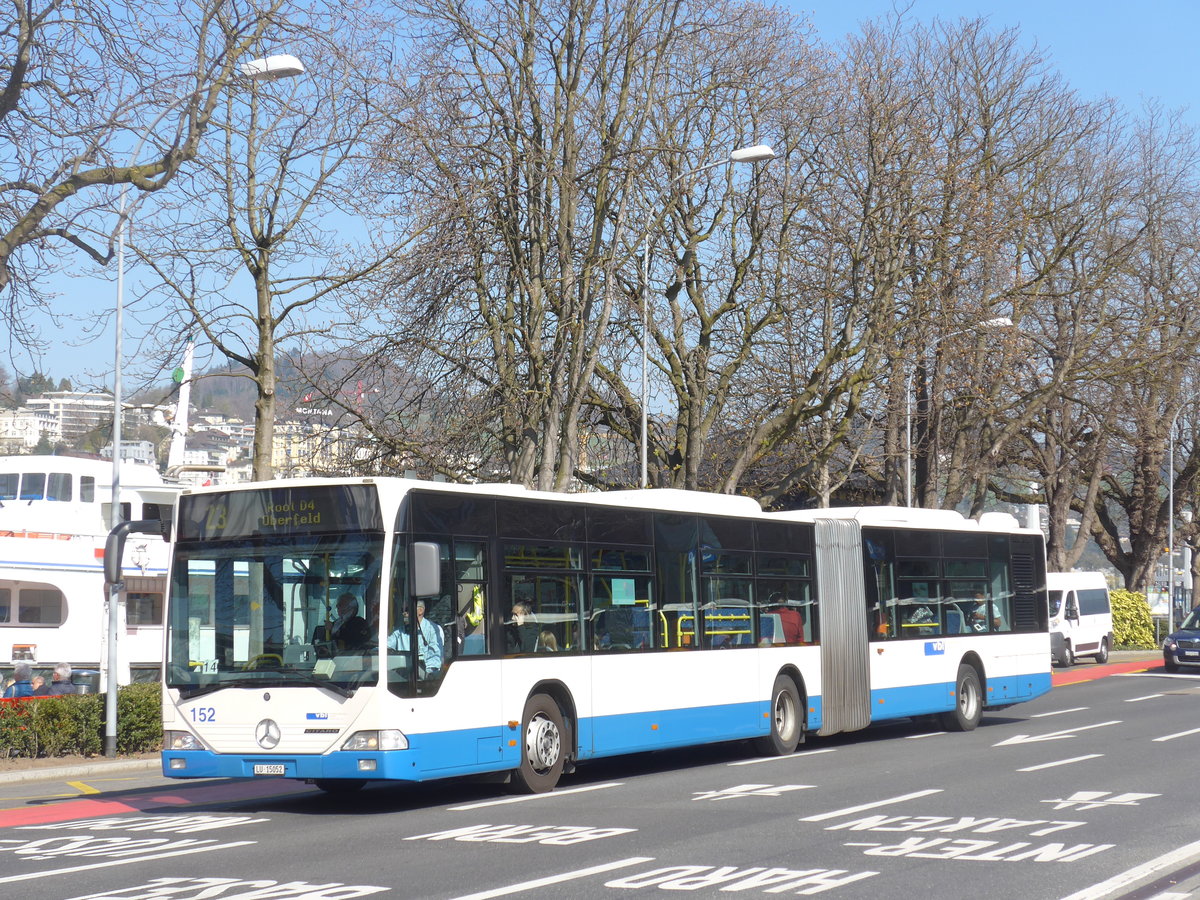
point(1053, 735)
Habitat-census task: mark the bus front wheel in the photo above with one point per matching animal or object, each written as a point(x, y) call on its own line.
point(786, 720)
point(543, 751)
point(968, 701)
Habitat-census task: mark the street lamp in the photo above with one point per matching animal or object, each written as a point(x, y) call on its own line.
point(985, 325)
point(1171, 524)
point(751, 154)
point(270, 68)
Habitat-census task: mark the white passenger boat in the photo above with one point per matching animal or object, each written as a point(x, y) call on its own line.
point(54, 518)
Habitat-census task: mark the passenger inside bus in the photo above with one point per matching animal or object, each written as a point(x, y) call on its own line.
point(521, 630)
point(791, 619)
point(430, 642)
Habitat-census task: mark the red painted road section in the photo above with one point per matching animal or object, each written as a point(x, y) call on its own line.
point(1080, 674)
point(69, 810)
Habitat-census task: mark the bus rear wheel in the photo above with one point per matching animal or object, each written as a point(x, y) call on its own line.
point(543, 751)
point(786, 720)
point(968, 701)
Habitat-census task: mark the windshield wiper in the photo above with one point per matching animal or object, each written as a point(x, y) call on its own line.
point(324, 683)
point(188, 691)
point(267, 679)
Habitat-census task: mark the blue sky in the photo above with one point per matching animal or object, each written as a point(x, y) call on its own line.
point(1128, 51)
point(1125, 50)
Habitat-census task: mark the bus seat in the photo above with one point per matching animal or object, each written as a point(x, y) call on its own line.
point(954, 621)
point(473, 645)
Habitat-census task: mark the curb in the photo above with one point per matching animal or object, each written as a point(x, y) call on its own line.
point(83, 770)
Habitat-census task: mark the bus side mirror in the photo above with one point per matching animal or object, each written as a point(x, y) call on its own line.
point(426, 569)
point(114, 545)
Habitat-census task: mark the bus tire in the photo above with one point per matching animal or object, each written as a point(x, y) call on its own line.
point(543, 748)
point(787, 722)
point(968, 701)
point(340, 785)
point(1102, 656)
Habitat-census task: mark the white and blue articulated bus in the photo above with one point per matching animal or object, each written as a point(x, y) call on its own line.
point(340, 631)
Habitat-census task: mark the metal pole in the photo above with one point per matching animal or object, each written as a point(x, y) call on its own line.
point(1171, 525)
point(114, 513)
point(645, 482)
point(908, 447)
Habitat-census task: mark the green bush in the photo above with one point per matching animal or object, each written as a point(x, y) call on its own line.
point(1132, 625)
point(74, 724)
point(139, 718)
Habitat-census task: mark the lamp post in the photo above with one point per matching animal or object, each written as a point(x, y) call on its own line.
point(985, 325)
point(1171, 523)
point(751, 154)
point(269, 68)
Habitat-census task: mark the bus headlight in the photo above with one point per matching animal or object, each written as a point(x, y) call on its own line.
point(181, 740)
point(386, 739)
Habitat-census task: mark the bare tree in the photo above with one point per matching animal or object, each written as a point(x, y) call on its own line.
point(1160, 287)
point(82, 86)
point(266, 241)
point(512, 157)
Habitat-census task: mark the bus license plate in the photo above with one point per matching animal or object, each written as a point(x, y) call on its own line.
point(269, 769)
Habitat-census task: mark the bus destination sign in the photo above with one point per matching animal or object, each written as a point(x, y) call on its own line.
point(312, 509)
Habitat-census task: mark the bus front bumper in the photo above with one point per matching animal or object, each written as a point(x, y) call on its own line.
point(392, 765)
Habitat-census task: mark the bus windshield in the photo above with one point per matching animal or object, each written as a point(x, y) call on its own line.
point(274, 611)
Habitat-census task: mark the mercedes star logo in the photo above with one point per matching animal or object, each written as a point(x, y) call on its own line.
point(267, 734)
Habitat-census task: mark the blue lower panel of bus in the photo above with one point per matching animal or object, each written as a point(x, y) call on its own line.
point(635, 732)
point(413, 764)
point(923, 699)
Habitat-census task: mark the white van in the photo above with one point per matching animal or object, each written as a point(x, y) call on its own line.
point(1080, 616)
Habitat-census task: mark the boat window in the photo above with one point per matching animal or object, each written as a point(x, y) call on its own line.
point(5, 605)
point(33, 485)
point(59, 487)
point(143, 608)
point(40, 606)
point(8, 485)
point(87, 489)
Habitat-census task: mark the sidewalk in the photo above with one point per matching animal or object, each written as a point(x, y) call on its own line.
point(73, 771)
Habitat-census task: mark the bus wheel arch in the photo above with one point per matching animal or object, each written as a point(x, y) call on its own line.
point(787, 713)
point(547, 738)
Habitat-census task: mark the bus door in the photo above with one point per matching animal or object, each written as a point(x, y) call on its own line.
point(845, 665)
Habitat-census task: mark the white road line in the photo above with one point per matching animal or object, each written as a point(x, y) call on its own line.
point(821, 817)
point(1061, 762)
point(1058, 712)
point(29, 876)
point(1147, 697)
point(549, 796)
point(557, 879)
point(1137, 873)
point(1179, 734)
point(918, 737)
point(762, 759)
